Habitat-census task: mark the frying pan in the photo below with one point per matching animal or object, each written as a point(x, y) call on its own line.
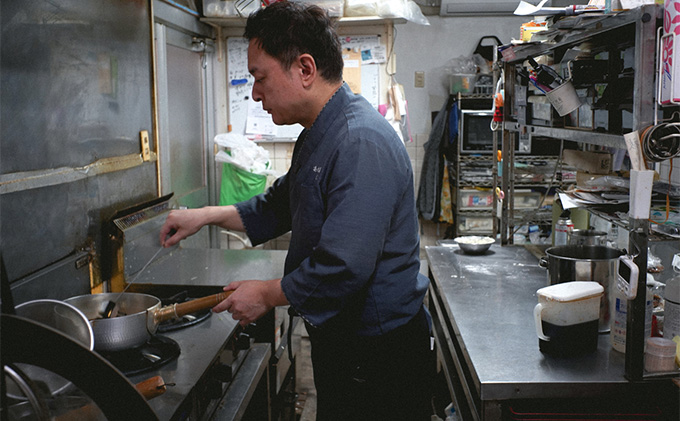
point(63, 317)
point(138, 316)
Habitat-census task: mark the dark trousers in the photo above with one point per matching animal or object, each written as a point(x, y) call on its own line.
point(389, 377)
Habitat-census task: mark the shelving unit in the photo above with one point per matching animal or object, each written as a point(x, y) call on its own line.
point(632, 31)
point(472, 178)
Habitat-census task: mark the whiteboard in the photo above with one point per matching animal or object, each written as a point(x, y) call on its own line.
point(240, 83)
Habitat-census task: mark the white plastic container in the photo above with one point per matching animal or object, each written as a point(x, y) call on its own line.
point(619, 315)
point(659, 355)
point(671, 320)
point(567, 316)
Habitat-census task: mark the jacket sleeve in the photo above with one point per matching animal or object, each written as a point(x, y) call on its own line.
point(267, 216)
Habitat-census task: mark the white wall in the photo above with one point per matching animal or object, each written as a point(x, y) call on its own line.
point(428, 49)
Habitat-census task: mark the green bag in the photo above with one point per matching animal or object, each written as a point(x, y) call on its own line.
point(239, 185)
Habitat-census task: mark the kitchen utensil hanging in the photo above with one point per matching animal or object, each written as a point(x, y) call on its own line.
point(661, 142)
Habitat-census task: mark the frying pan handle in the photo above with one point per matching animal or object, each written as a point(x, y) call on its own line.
point(178, 310)
point(152, 387)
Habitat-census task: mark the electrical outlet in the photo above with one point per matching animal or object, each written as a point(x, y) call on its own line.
point(420, 79)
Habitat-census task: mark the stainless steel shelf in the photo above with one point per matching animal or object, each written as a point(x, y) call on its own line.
point(239, 22)
point(582, 29)
point(581, 136)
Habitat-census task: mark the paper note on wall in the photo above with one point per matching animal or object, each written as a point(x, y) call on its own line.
point(352, 71)
point(372, 53)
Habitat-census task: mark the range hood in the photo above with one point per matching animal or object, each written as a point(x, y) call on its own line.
point(481, 7)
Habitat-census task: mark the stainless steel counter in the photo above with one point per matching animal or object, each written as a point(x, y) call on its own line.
point(482, 308)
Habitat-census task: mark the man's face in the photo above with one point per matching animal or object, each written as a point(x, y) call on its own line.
point(277, 88)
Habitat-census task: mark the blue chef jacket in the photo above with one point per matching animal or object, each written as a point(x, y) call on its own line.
point(348, 199)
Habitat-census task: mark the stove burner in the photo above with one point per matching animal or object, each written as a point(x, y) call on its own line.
point(184, 321)
point(157, 351)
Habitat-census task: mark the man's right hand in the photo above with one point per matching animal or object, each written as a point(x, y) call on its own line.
point(180, 224)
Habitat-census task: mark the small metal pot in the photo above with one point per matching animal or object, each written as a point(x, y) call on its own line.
point(138, 316)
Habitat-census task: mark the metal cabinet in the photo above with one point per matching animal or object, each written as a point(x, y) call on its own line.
point(625, 36)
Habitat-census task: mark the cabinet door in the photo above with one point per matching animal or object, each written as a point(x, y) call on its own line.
point(184, 83)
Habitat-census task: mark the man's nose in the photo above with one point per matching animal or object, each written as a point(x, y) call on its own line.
point(256, 95)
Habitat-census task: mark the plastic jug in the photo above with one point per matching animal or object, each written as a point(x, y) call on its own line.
point(567, 316)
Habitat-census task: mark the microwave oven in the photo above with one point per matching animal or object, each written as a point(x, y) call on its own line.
point(476, 137)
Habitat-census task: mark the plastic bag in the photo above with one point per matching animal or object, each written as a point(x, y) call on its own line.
point(243, 153)
point(406, 9)
point(239, 185)
point(244, 170)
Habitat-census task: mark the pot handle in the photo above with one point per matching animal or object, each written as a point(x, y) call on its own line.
point(539, 325)
point(543, 262)
point(176, 311)
point(627, 286)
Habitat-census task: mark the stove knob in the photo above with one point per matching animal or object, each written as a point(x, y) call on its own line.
point(243, 341)
point(222, 372)
point(250, 328)
point(213, 389)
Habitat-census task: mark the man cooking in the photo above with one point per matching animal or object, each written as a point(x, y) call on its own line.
point(352, 268)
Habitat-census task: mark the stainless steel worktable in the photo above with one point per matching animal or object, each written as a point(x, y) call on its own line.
point(482, 309)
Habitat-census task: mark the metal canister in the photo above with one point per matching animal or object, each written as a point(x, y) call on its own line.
point(563, 227)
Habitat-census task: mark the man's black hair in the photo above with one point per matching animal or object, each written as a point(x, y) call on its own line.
point(285, 30)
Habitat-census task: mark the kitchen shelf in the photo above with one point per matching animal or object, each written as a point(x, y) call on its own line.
point(573, 31)
point(632, 32)
point(580, 135)
point(240, 22)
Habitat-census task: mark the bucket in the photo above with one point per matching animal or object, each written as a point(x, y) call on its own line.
point(564, 98)
point(566, 317)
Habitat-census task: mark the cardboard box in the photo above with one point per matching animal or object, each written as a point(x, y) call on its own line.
point(590, 162)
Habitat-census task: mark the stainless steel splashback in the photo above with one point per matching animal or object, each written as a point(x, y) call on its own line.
point(134, 237)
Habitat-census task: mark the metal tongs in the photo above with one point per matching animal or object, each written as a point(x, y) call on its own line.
point(111, 309)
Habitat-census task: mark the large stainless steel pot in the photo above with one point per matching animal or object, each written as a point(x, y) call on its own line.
point(138, 316)
point(585, 263)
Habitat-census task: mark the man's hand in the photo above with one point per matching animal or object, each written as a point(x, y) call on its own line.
point(180, 224)
point(251, 299)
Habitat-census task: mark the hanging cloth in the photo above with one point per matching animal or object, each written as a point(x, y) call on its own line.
point(446, 213)
point(430, 174)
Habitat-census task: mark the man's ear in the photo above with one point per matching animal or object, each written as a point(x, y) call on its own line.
point(308, 69)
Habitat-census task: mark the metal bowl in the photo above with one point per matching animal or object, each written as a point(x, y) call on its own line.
point(473, 244)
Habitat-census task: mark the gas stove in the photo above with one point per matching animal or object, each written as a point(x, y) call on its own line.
point(212, 368)
point(222, 371)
